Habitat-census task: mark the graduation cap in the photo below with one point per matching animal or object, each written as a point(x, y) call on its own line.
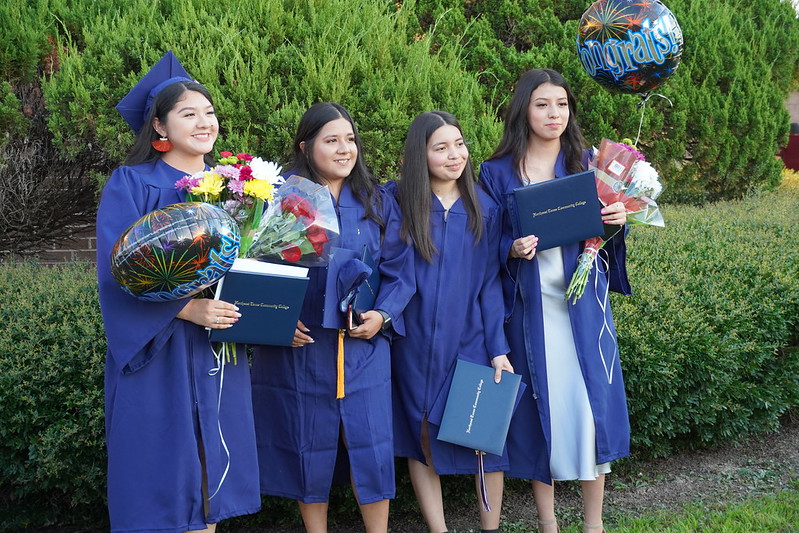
point(135, 106)
point(348, 280)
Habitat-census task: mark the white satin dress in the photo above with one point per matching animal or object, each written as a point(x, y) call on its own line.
point(573, 431)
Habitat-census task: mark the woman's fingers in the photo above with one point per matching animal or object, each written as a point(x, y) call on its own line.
point(524, 247)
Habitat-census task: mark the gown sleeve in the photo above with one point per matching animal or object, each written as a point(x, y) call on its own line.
point(494, 185)
point(491, 300)
point(135, 329)
point(616, 250)
point(398, 281)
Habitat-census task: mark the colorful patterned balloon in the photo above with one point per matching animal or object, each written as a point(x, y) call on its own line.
point(629, 46)
point(175, 252)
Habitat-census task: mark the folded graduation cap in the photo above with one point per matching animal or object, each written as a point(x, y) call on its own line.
point(348, 281)
point(345, 273)
point(135, 106)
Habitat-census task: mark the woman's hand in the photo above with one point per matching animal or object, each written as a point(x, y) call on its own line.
point(214, 314)
point(301, 337)
point(372, 321)
point(524, 247)
point(614, 214)
point(500, 363)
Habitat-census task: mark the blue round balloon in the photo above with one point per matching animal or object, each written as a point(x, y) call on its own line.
point(175, 251)
point(629, 46)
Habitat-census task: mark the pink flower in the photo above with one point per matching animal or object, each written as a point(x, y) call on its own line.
point(225, 154)
point(186, 183)
point(632, 150)
point(227, 171)
point(245, 173)
point(244, 157)
point(236, 186)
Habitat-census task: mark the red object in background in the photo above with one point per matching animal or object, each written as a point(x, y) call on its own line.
point(790, 153)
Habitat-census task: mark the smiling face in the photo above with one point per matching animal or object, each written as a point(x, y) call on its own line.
point(548, 112)
point(447, 154)
point(334, 152)
point(191, 126)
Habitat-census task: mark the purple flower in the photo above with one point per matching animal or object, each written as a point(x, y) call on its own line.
point(186, 183)
point(236, 186)
point(227, 171)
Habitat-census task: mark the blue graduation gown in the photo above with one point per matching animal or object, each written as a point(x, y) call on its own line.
point(297, 415)
point(529, 440)
point(160, 401)
point(456, 313)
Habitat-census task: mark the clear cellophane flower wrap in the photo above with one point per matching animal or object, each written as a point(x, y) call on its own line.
point(299, 227)
point(622, 175)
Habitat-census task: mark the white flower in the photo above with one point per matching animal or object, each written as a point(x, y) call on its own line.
point(266, 170)
point(645, 179)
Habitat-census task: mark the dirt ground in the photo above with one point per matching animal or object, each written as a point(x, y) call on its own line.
point(762, 465)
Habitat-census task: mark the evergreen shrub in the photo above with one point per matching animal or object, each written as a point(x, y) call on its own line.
point(265, 63)
point(740, 59)
point(52, 440)
point(709, 340)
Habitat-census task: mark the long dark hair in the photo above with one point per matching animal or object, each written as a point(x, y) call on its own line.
point(165, 101)
point(517, 128)
point(414, 185)
point(361, 181)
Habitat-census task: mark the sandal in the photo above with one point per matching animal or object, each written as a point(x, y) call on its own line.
point(587, 526)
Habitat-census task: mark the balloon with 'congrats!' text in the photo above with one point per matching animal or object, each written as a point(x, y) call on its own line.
point(629, 46)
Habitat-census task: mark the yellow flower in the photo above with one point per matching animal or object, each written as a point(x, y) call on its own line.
point(210, 186)
point(261, 189)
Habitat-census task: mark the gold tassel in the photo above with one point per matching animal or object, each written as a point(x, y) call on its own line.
point(340, 366)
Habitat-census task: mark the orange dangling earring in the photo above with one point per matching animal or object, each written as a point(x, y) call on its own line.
point(162, 144)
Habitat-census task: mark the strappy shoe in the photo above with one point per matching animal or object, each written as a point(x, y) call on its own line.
point(599, 526)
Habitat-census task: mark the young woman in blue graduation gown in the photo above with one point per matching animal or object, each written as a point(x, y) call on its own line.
point(302, 427)
point(169, 469)
point(572, 421)
point(456, 312)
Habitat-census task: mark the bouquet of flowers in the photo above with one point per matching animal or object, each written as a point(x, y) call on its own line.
point(240, 184)
point(300, 226)
point(622, 175)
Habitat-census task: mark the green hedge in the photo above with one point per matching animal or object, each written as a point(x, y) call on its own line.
point(267, 60)
point(52, 352)
point(710, 338)
point(265, 63)
point(709, 346)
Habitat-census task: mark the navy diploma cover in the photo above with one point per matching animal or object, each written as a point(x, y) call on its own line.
point(559, 211)
point(478, 411)
point(269, 297)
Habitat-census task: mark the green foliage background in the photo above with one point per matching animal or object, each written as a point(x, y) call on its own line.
point(709, 339)
point(267, 61)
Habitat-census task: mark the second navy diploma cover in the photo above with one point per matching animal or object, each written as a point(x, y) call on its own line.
point(269, 297)
point(558, 211)
point(478, 411)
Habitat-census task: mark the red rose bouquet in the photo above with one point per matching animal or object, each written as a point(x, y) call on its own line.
point(300, 225)
point(622, 175)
